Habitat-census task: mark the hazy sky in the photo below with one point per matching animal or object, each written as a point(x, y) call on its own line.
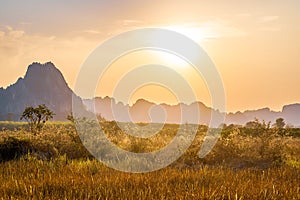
point(254, 44)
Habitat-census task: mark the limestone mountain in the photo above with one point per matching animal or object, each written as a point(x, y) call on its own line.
point(42, 84)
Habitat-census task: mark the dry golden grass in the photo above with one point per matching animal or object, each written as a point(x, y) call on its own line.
point(54, 165)
point(30, 178)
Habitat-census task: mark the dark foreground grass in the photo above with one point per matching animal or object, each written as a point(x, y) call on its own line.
point(30, 178)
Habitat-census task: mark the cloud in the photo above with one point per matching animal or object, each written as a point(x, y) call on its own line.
point(25, 23)
point(11, 33)
point(270, 18)
point(270, 29)
point(92, 31)
point(9, 28)
point(223, 28)
point(16, 34)
point(18, 49)
point(207, 30)
point(243, 15)
point(128, 22)
point(267, 25)
point(2, 34)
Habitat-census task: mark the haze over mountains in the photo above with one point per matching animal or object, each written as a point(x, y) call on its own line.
point(45, 84)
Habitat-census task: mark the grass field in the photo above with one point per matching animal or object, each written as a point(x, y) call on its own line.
point(32, 178)
point(245, 164)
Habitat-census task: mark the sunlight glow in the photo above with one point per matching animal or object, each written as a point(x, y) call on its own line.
point(195, 33)
point(171, 60)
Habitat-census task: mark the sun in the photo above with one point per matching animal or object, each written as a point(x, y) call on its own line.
point(171, 60)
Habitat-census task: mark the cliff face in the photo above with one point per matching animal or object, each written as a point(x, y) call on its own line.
point(291, 113)
point(42, 84)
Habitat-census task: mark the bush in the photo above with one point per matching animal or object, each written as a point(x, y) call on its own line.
point(13, 148)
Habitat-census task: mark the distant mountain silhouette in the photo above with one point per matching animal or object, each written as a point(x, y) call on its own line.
point(42, 84)
point(244, 117)
point(45, 84)
point(145, 111)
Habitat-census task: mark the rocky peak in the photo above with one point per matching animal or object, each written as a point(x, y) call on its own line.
point(45, 75)
point(42, 84)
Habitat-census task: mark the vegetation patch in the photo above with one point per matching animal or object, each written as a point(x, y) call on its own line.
point(246, 163)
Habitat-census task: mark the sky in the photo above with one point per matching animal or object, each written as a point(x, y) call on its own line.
point(255, 45)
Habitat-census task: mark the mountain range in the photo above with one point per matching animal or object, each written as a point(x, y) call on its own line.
point(45, 84)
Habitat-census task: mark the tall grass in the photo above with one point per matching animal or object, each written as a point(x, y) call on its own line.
point(55, 165)
point(30, 178)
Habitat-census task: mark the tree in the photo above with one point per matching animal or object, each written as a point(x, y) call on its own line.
point(37, 117)
point(279, 123)
point(256, 124)
point(263, 132)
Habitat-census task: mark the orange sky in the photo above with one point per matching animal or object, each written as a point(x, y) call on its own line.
point(255, 45)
